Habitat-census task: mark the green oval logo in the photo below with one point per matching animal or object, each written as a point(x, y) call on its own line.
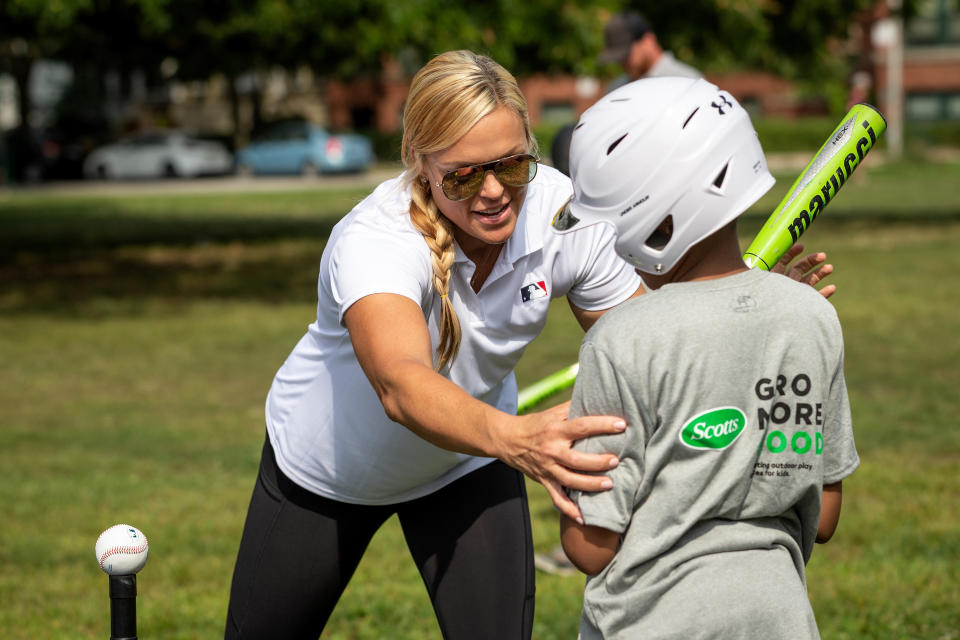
point(714, 429)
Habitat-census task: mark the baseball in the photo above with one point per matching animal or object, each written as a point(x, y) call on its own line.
point(122, 550)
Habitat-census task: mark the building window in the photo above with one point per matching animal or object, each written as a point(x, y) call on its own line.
point(933, 106)
point(953, 107)
point(557, 112)
point(937, 22)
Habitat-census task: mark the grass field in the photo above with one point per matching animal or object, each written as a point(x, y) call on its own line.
point(138, 337)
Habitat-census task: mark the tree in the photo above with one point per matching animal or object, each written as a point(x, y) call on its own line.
point(108, 33)
point(351, 38)
point(104, 34)
point(791, 38)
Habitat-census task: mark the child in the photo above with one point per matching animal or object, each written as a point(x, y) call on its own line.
point(731, 380)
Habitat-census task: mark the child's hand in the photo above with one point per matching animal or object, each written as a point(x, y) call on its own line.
point(810, 269)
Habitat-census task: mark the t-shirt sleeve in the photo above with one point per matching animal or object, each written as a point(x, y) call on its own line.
point(598, 392)
point(840, 457)
point(365, 261)
point(604, 279)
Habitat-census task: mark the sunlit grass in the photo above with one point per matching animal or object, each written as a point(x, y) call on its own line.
point(132, 381)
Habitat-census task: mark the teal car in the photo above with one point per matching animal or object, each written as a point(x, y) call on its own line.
point(301, 147)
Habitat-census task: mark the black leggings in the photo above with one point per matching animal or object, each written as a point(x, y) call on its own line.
point(471, 541)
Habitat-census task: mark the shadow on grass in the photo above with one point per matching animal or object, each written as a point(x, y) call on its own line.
point(130, 280)
point(101, 263)
point(61, 231)
point(107, 256)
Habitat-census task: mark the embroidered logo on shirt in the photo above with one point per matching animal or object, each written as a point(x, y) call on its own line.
point(533, 291)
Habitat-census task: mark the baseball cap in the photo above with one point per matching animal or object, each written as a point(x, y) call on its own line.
point(621, 31)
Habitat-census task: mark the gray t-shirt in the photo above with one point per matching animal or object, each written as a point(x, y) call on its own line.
point(737, 414)
point(666, 65)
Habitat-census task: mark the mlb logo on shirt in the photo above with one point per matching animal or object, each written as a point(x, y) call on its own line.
point(533, 291)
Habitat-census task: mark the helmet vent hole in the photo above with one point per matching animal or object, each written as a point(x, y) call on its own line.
point(615, 143)
point(661, 235)
point(718, 181)
point(578, 126)
point(689, 118)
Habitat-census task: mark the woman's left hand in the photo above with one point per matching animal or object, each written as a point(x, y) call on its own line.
point(810, 269)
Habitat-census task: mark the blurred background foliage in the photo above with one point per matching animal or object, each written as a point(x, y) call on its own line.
point(167, 45)
point(348, 38)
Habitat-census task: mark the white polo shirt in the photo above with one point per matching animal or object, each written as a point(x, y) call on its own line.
point(324, 419)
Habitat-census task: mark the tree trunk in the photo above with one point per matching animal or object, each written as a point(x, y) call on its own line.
point(23, 152)
point(234, 95)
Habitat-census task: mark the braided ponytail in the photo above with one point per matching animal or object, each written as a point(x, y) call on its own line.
point(438, 233)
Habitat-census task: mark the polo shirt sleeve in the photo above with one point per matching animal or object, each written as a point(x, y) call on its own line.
point(603, 279)
point(367, 260)
point(598, 392)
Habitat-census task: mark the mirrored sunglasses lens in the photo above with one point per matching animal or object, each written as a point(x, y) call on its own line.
point(516, 171)
point(461, 184)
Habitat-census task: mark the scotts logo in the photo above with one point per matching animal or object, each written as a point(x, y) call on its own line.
point(715, 429)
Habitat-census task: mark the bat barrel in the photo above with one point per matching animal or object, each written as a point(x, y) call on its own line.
point(820, 181)
point(123, 607)
point(542, 389)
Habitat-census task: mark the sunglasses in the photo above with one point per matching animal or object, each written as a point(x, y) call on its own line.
point(465, 182)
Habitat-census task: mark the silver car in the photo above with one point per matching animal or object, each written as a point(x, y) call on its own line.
point(158, 154)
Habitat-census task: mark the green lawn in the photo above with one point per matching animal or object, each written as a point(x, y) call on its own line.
point(138, 337)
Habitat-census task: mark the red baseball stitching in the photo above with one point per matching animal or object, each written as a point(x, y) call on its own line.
point(114, 550)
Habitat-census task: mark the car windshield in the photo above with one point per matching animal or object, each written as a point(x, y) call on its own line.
point(290, 130)
point(148, 139)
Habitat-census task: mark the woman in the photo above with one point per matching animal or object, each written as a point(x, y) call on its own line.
point(400, 398)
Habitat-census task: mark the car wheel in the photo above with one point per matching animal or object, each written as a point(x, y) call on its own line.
point(169, 171)
point(309, 170)
point(103, 173)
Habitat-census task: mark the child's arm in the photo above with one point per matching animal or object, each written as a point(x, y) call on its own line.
point(589, 548)
point(829, 511)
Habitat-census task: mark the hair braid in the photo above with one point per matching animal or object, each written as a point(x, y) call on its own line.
point(438, 233)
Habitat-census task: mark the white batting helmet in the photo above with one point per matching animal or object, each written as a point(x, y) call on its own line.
point(659, 148)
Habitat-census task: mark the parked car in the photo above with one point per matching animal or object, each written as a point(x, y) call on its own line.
point(158, 154)
point(299, 146)
point(54, 152)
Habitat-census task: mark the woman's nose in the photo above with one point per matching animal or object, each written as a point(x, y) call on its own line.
point(492, 188)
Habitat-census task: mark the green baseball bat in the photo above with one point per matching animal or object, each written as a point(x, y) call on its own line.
point(817, 186)
point(546, 387)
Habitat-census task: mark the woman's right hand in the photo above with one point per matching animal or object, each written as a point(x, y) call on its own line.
point(542, 448)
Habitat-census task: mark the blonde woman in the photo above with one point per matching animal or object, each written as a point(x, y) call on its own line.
point(401, 399)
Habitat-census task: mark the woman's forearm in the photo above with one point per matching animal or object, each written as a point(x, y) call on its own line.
point(440, 412)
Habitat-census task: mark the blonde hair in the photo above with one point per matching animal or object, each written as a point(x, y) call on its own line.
point(448, 96)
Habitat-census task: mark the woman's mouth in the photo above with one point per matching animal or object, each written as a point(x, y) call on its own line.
point(493, 215)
